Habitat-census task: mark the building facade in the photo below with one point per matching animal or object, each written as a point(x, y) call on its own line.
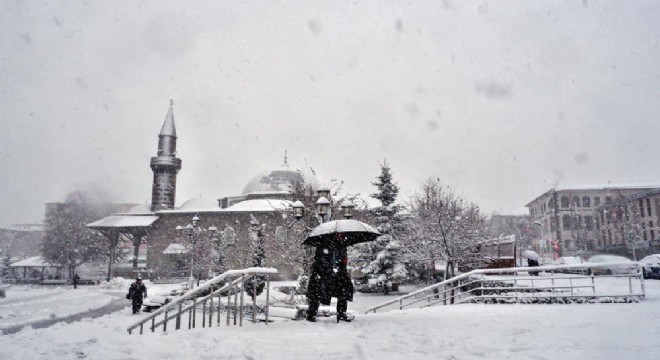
point(630, 225)
point(569, 220)
point(265, 203)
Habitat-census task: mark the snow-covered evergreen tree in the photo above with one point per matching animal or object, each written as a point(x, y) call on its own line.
point(387, 190)
point(258, 254)
point(6, 265)
point(385, 256)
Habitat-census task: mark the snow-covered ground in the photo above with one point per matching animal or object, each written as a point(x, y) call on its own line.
point(468, 331)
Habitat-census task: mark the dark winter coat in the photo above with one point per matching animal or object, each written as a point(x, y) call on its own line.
point(76, 279)
point(330, 277)
point(137, 292)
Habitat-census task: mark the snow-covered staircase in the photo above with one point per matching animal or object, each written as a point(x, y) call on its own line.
point(211, 307)
point(553, 284)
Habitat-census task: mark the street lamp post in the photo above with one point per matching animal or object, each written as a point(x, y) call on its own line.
point(193, 231)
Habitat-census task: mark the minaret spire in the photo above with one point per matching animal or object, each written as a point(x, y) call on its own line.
point(286, 163)
point(165, 165)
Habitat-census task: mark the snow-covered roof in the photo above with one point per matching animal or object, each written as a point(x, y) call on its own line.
point(260, 205)
point(200, 204)
point(142, 209)
point(124, 221)
point(35, 261)
point(175, 249)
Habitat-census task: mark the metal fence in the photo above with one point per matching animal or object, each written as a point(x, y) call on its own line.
point(186, 308)
point(620, 282)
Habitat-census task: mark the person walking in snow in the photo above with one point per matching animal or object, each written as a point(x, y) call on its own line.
point(329, 278)
point(136, 293)
point(76, 281)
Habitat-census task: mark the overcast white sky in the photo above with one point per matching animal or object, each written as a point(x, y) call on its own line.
point(498, 99)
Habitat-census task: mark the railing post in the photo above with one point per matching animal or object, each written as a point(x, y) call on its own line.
point(219, 308)
point(254, 302)
point(235, 306)
point(228, 305)
point(165, 322)
point(240, 320)
point(194, 312)
point(552, 280)
point(177, 326)
point(267, 297)
point(211, 311)
point(593, 283)
point(153, 324)
point(641, 282)
point(190, 318)
point(444, 294)
point(141, 326)
point(570, 282)
point(204, 313)
point(630, 284)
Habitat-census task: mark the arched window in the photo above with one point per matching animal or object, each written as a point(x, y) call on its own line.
point(576, 201)
point(566, 222)
point(596, 201)
point(564, 201)
point(586, 201)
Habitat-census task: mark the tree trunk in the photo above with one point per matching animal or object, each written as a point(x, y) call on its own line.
point(111, 261)
point(136, 251)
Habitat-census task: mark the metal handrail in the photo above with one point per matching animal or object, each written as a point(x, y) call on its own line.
point(191, 294)
point(455, 282)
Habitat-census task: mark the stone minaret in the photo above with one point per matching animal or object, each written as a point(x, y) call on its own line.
point(165, 166)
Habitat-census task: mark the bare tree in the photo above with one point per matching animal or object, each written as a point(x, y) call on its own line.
point(446, 226)
point(67, 240)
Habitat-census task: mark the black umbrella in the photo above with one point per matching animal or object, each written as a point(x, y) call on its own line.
point(341, 233)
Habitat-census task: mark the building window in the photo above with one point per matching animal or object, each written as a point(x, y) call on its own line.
point(566, 222)
point(586, 201)
point(608, 199)
point(648, 206)
point(641, 207)
point(596, 201)
point(609, 236)
point(576, 201)
point(589, 222)
point(564, 201)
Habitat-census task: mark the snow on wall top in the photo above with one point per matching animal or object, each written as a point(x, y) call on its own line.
point(260, 205)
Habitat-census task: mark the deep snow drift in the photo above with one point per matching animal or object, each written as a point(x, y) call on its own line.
point(577, 331)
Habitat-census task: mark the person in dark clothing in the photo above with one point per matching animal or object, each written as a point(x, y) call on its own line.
point(136, 293)
point(533, 263)
point(76, 281)
point(330, 278)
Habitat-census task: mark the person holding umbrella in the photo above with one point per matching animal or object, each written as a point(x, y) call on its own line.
point(330, 277)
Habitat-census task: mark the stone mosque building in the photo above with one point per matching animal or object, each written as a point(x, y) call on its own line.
point(264, 202)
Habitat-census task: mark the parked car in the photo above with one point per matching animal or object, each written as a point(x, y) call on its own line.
point(597, 269)
point(651, 266)
point(570, 260)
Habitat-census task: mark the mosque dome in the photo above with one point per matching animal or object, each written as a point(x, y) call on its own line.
point(276, 182)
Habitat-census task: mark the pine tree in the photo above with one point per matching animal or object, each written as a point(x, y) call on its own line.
point(6, 265)
point(384, 256)
point(258, 258)
point(387, 190)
